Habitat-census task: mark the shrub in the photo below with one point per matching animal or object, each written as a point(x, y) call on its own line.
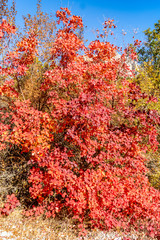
point(85, 151)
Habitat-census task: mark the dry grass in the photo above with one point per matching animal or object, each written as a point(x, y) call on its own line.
point(50, 229)
point(38, 229)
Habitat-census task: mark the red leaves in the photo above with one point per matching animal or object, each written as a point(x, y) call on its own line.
point(62, 15)
point(67, 42)
point(86, 150)
point(16, 62)
point(6, 28)
point(66, 47)
point(73, 22)
point(11, 203)
point(109, 24)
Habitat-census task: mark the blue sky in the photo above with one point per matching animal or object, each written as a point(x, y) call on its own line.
point(130, 16)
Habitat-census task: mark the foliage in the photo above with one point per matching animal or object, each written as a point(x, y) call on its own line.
point(44, 27)
point(14, 167)
point(149, 56)
point(149, 81)
point(154, 166)
point(85, 151)
point(151, 49)
point(30, 85)
point(10, 204)
point(9, 13)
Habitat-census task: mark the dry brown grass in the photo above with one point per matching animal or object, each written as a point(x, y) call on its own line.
point(48, 229)
point(38, 228)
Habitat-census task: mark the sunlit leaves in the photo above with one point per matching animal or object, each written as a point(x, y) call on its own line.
point(86, 149)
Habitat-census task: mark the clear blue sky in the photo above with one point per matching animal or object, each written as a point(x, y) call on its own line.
point(130, 15)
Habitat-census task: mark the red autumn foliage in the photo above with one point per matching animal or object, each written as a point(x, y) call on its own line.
point(6, 29)
point(10, 204)
point(16, 61)
point(87, 149)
